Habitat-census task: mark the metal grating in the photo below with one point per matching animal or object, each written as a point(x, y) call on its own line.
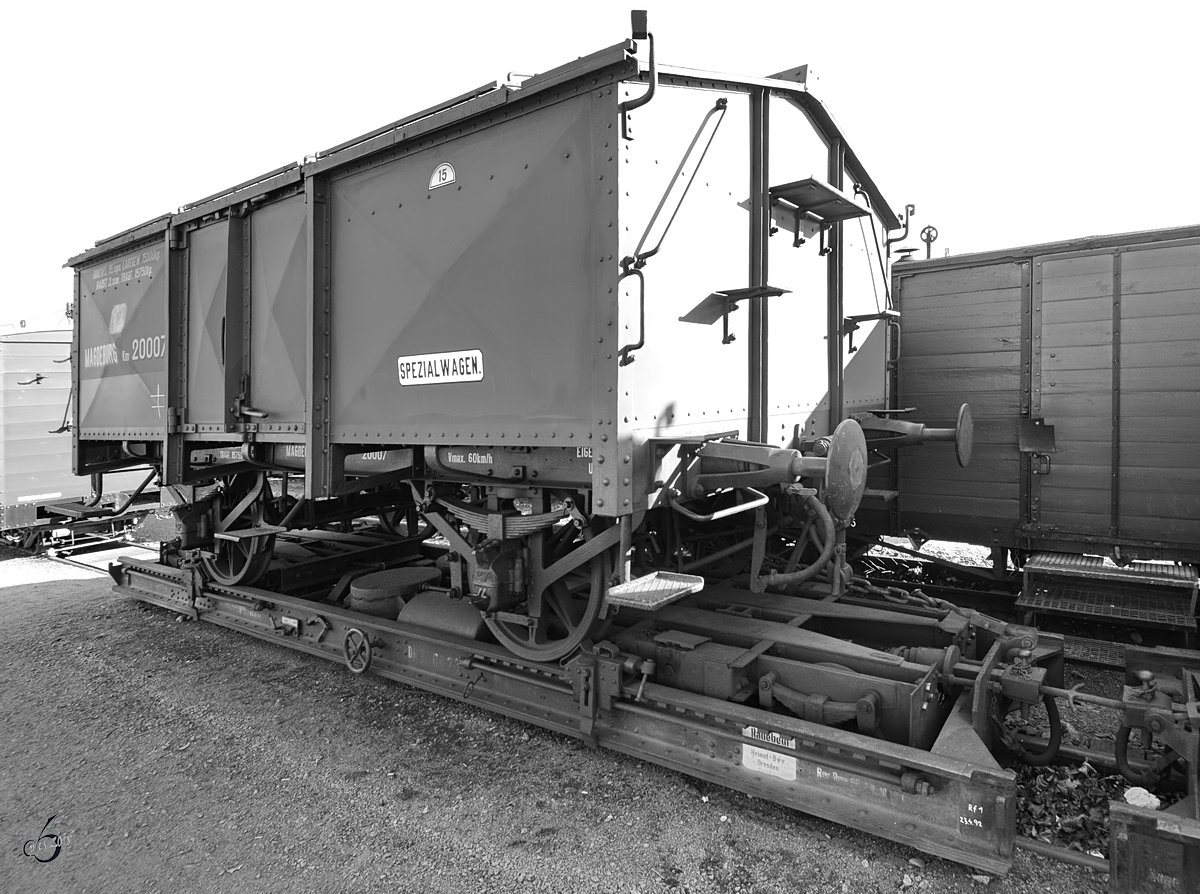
point(654, 590)
point(1158, 573)
point(1093, 651)
point(1156, 607)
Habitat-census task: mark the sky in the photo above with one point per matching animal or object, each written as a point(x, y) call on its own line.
point(1005, 124)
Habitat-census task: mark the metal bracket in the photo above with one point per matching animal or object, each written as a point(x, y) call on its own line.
point(851, 324)
point(1035, 436)
point(324, 625)
point(719, 305)
point(584, 667)
point(758, 551)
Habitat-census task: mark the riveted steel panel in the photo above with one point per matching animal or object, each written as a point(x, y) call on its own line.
point(712, 224)
point(208, 269)
point(496, 260)
point(668, 390)
point(278, 268)
point(122, 323)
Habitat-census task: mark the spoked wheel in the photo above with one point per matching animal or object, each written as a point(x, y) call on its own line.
point(403, 521)
point(241, 557)
point(555, 622)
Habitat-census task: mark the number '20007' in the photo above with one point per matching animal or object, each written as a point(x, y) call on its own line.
point(150, 347)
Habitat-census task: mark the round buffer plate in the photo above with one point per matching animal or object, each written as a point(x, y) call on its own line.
point(846, 474)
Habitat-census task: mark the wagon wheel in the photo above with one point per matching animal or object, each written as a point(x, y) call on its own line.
point(239, 506)
point(403, 521)
point(559, 619)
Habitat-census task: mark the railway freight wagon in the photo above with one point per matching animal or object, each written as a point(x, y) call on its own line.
point(536, 399)
point(35, 444)
point(1081, 361)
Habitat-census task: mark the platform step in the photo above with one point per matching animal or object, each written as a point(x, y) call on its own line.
point(1093, 651)
point(1160, 574)
point(79, 510)
point(247, 533)
point(1167, 607)
point(879, 493)
point(653, 591)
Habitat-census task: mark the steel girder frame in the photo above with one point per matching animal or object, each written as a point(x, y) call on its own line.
point(952, 801)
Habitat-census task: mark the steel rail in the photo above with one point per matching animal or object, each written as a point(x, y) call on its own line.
point(1062, 854)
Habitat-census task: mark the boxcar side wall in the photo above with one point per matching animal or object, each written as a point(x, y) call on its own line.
point(1071, 388)
point(209, 327)
point(122, 352)
point(462, 309)
point(454, 289)
point(277, 352)
point(1102, 344)
point(1158, 416)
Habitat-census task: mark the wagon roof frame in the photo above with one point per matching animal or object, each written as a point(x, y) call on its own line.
point(1104, 242)
point(617, 60)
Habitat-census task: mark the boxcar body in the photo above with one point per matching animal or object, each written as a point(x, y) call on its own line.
point(1081, 360)
point(455, 280)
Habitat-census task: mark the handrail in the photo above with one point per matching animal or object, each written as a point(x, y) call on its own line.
point(759, 499)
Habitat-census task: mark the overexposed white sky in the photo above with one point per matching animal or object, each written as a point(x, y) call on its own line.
point(1006, 124)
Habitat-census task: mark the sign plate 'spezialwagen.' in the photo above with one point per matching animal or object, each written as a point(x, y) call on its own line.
point(449, 366)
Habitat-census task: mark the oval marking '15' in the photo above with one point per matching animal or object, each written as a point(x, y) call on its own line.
point(442, 176)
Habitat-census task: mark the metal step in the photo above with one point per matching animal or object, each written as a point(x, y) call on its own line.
point(1170, 608)
point(879, 493)
point(653, 591)
point(79, 510)
point(1094, 651)
point(1159, 574)
point(1142, 594)
point(249, 533)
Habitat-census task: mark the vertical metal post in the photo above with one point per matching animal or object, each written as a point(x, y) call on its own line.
point(247, 311)
point(76, 379)
point(835, 301)
point(1115, 479)
point(175, 450)
point(235, 318)
point(1035, 389)
point(1027, 411)
point(760, 222)
point(317, 446)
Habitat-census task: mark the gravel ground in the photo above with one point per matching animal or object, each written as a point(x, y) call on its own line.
point(182, 756)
